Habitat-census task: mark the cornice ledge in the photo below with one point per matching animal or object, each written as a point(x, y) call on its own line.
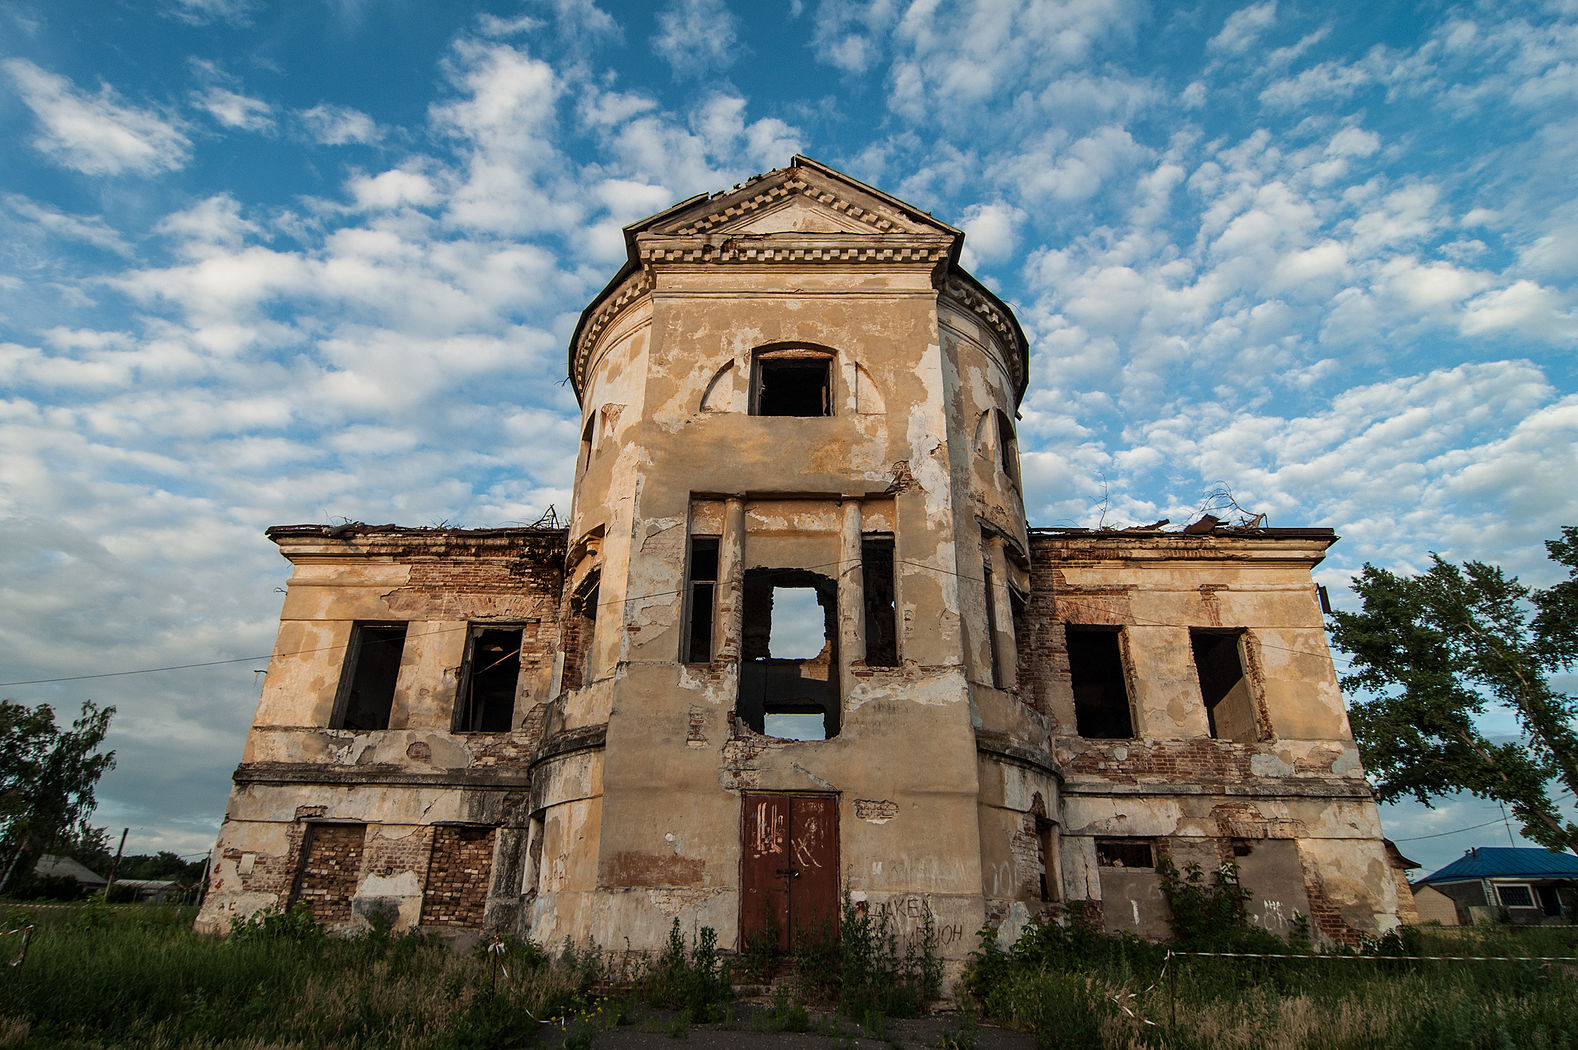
point(983, 307)
point(792, 186)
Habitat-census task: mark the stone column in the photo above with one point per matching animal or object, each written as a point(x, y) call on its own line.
point(851, 597)
point(729, 625)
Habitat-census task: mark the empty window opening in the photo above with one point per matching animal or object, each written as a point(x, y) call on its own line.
point(799, 385)
point(367, 683)
point(1047, 847)
point(994, 654)
point(1019, 610)
point(876, 570)
point(798, 624)
point(588, 434)
point(789, 662)
point(1229, 709)
point(1242, 848)
point(489, 681)
point(1125, 853)
point(702, 596)
point(1008, 448)
point(578, 631)
point(1101, 694)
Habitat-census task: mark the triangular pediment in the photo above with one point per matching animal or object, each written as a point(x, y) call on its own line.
point(804, 198)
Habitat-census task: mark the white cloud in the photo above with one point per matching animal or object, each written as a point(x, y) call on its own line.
point(1243, 28)
point(332, 125)
point(697, 36)
point(96, 135)
point(204, 12)
point(1524, 308)
point(991, 230)
point(89, 229)
point(393, 189)
point(235, 110)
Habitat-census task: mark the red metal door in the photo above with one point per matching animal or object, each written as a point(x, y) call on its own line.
point(789, 872)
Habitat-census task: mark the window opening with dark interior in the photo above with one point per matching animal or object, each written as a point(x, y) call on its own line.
point(793, 383)
point(1229, 708)
point(789, 663)
point(702, 598)
point(1101, 693)
point(489, 680)
point(1008, 447)
point(367, 682)
point(579, 628)
point(1047, 847)
point(994, 652)
point(876, 570)
point(1019, 610)
point(1125, 853)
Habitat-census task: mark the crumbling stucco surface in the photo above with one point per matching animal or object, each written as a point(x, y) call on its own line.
point(651, 703)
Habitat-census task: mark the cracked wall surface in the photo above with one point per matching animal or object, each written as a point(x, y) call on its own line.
point(953, 770)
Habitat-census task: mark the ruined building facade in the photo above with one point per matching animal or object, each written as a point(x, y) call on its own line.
point(797, 641)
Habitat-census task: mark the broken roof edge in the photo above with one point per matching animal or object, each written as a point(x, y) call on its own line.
point(633, 264)
point(1219, 532)
point(351, 529)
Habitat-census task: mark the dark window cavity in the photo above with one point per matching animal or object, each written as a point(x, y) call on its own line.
point(1101, 694)
point(489, 680)
point(578, 630)
point(367, 683)
point(702, 598)
point(790, 383)
point(1218, 659)
point(1125, 853)
point(1008, 448)
point(994, 652)
point(789, 658)
point(876, 569)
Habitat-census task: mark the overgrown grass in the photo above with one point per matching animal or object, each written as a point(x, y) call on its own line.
point(136, 976)
point(1076, 987)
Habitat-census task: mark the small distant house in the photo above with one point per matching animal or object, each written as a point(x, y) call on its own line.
point(152, 891)
point(50, 866)
point(1501, 883)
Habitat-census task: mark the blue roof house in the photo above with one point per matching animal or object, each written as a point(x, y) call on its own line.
point(1503, 884)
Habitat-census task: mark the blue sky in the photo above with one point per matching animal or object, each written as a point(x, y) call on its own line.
point(272, 263)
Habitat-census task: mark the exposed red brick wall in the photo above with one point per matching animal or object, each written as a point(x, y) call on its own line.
point(458, 875)
point(329, 871)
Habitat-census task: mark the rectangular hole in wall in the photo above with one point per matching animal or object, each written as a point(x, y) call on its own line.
point(489, 681)
point(789, 665)
point(1101, 693)
point(1047, 846)
point(1125, 853)
point(367, 682)
point(1218, 660)
point(876, 569)
point(994, 653)
point(702, 597)
point(794, 386)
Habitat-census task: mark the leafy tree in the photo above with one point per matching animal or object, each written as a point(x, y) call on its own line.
point(1437, 649)
point(47, 776)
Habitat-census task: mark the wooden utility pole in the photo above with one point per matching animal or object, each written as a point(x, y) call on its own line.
point(115, 865)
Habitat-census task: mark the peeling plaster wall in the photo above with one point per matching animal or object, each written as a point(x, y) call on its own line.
point(960, 785)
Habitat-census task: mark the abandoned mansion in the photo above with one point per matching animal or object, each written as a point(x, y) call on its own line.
point(797, 641)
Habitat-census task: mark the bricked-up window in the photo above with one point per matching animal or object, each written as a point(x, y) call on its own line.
point(793, 383)
point(702, 598)
point(489, 680)
point(458, 873)
point(367, 682)
point(1101, 692)
point(1218, 659)
point(1125, 853)
point(331, 860)
point(876, 569)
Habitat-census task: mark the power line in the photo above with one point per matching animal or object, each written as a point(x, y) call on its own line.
point(1443, 834)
